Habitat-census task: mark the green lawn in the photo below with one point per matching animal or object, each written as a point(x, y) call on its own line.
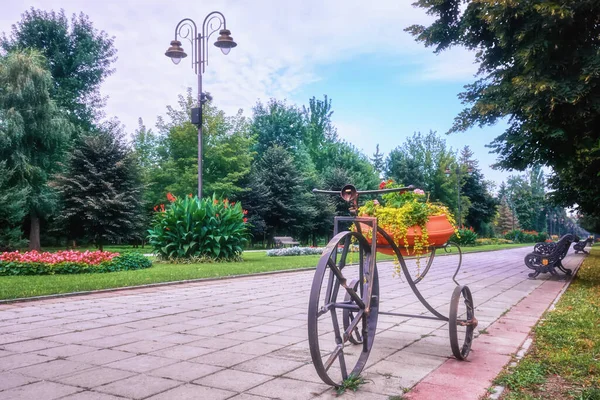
point(564, 362)
point(12, 287)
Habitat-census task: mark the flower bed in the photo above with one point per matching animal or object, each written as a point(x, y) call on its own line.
point(69, 262)
point(295, 251)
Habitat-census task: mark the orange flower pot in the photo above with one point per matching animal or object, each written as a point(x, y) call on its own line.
point(438, 227)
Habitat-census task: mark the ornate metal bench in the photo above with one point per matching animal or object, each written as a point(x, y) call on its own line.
point(580, 246)
point(546, 257)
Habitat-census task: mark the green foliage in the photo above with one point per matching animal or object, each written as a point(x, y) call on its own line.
point(540, 72)
point(352, 383)
point(528, 374)
point(465, 237)
point(172, 165)
point(123, 262)
point(482, 206)
point(278, 124)
point(190, 227)
point(101, 189)
point(78, 57)
point(421, 161)
point(378, 161)
point(288, 201)
point(12, 212)
point(521, 236)
point(33, 133)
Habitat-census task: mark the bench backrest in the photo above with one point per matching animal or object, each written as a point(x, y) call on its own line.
point(283, 239)
point(563, 245)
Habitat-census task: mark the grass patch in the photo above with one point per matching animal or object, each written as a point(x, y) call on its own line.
point(564, 361)
point(351, 383)
point(14, 287)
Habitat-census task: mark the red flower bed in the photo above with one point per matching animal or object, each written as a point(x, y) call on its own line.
point(86, 257)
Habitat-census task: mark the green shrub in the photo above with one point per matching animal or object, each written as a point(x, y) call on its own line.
point(190, 227)
point(465, 237)
point(492, 241)
point(123, 262)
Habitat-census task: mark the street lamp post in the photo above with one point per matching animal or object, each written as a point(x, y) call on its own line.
point(458, 185)
point(187, 29)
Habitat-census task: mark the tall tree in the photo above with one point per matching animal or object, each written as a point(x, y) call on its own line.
point(277, 123)
point(320, 131)
point(227, 152)
point(101, 190)
point(482, 205)
point(12, 210)
point(378, 161)
point(421, 161)
point(33, 132)
point(78, 56)
point(539, 69)
point(286, 205)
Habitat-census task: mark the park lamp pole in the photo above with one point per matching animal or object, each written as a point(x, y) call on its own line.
point(458, 171)
point(186, 29)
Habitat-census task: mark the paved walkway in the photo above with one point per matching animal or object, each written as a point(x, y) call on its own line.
point(246, 339)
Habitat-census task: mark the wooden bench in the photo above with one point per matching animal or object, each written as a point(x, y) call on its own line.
point(580, 246)
point(282, 241)
point(546, 257)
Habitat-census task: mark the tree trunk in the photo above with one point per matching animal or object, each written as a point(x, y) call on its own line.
point(34, 234)
point(100, 245)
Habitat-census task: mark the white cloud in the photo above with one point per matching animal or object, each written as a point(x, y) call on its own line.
point(282, 44)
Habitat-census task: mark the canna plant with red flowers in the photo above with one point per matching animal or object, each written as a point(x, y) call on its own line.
point(199, 228)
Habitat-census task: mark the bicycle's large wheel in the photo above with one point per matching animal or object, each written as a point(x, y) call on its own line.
point(340, 290)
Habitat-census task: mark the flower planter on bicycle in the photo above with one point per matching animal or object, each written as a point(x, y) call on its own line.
point(344, 299)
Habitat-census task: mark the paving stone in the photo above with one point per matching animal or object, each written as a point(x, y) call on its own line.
point(182, 352)
point(223, 358)
point(143, 346)
point(185, 371)
point(21, 360)
point(10, 380)
point(269, 366)
point(102, 356)
point(95, 377)
point(246, 396)
point(138, 386)
point(90, 395)
point(237, 381)
point(193, 392)
point(141, 363)
point(289, 389)
point(40, 390)
point(52, 369)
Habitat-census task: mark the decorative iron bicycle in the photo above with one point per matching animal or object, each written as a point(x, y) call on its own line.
point(344, 299)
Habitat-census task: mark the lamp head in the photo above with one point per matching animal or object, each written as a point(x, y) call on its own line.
point(447, 172)
point(175, 52)
point(225, 41)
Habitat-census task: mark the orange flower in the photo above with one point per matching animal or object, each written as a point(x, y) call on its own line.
point(155, 208)
point(171, 198)
point(232, 203)
point(190, 195)
point(216, 201)
point(245, 220)
point(382, 185)
point(162, 207)
point(245, 212)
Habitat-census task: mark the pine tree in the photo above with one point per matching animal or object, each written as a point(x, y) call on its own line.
point(377, 161)
point(507, 220)
point(101, 190)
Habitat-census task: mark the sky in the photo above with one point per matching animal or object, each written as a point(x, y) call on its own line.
point(384, 85)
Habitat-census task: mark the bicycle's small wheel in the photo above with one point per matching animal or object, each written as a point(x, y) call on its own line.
point(461, 322)
point(341, 325)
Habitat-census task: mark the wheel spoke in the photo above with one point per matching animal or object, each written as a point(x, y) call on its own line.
point(353, 325)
